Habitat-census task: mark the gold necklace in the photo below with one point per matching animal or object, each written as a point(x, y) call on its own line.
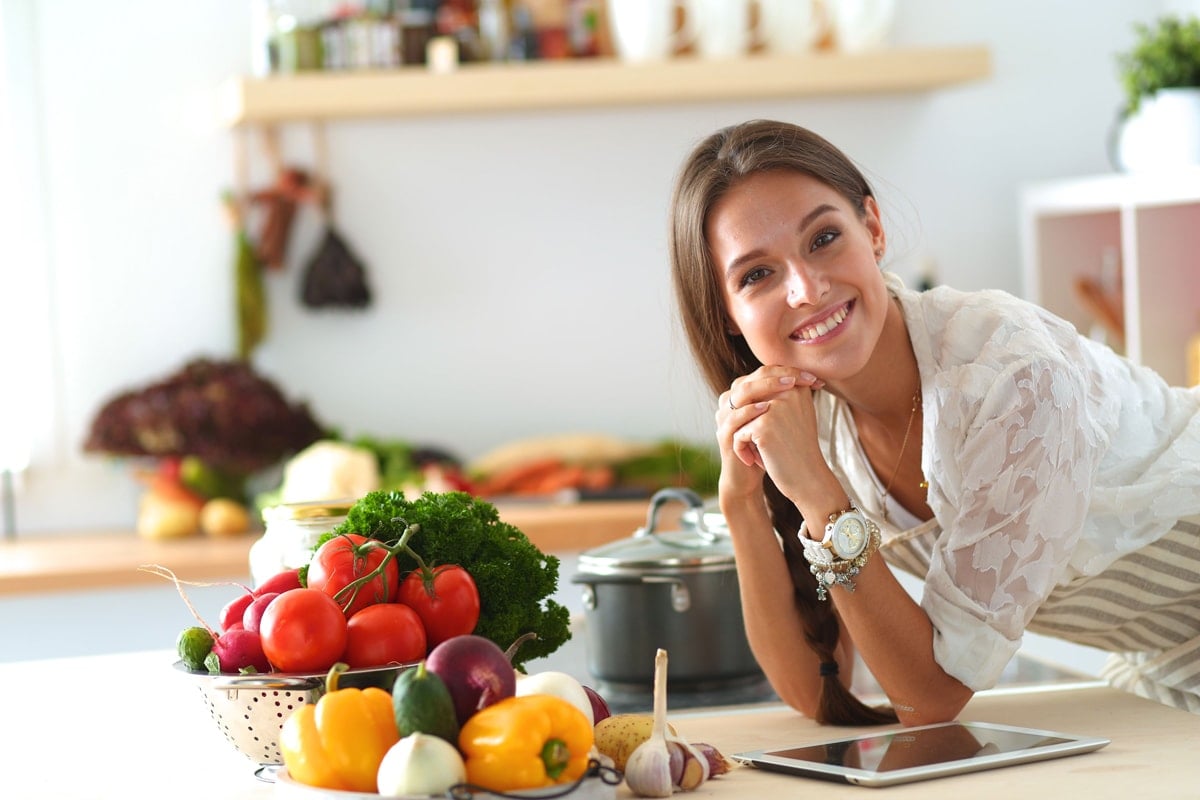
point(887, 490)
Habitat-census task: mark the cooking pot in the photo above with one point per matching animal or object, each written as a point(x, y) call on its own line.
point(677, 590)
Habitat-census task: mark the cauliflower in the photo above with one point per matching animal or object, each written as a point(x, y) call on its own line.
point(329, 470)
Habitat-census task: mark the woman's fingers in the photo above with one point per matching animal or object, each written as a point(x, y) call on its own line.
point(746, 451)
point(748, 398)
point(766, 383)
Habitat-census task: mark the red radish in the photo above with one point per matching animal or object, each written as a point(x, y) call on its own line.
point(475, 670)
point(235, 609)
point(279, 583)
point(254, 612)
point(240, 649)
point(235, 649)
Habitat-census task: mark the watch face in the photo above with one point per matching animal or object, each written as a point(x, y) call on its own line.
point(849, 535)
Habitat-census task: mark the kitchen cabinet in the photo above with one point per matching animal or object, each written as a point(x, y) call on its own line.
point(1133, 239)
point(585, 83)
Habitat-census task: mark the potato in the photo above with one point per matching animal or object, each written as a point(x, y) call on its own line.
point(619, 735)
point(166, 517)
point(224, 517)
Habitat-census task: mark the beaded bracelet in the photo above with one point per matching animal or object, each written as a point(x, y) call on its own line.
point(830, 571)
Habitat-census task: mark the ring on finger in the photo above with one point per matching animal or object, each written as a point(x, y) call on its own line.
point(729, 399)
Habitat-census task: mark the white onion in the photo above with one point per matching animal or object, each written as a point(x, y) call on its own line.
point(420, 764)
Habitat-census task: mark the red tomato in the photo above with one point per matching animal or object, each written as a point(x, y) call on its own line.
point(448, 602)
point(303, 630)
point(346, 558)
point(384, 633)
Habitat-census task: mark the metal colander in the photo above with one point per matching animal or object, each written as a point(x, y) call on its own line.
point(250, 709)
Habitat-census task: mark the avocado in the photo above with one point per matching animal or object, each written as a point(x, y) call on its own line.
point(422, 703)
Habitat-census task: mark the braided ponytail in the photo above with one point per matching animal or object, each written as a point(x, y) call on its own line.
point(836, 705)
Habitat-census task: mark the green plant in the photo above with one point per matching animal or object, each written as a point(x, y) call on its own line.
point(1166, 55)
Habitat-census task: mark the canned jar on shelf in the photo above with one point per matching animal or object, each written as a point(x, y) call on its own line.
point(292, 529)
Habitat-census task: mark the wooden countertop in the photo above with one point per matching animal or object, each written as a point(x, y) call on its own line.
point(146, 732)
point(68, 562)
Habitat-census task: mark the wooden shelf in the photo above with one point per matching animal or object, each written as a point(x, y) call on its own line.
point(584, 83)
point(75, 562)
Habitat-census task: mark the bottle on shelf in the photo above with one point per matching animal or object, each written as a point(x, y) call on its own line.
point(523, 42)
point(493, 29)
point(418, 24)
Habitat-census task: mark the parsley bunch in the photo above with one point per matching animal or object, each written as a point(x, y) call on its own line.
point(515, 579)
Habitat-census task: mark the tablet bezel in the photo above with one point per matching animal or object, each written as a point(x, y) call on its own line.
point(768, 758)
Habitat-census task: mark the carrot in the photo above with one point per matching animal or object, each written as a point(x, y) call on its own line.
point(509, 479)
point(568, 476)
point(599, 478)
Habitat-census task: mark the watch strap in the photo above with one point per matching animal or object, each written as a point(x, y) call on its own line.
point(829, 569)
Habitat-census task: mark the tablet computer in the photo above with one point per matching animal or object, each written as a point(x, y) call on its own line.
point(913, 754)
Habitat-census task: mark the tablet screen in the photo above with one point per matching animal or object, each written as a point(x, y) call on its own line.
point(929, 751)
point(919, 747)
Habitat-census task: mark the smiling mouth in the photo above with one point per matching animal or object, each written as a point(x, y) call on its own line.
point(824, 327)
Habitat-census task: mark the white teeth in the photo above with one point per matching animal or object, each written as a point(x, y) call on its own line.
point(824, 326)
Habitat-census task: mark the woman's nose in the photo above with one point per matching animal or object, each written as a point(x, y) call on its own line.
point(804, 286)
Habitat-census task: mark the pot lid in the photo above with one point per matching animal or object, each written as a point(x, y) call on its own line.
point(697, 545)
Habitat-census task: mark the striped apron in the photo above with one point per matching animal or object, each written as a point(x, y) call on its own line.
point(1144, 609)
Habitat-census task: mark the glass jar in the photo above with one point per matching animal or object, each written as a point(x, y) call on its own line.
point(292, 529)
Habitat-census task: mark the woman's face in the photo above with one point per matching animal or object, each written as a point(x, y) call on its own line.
point(799, 273)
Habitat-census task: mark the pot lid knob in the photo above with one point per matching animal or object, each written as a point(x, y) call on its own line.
point(682, 495)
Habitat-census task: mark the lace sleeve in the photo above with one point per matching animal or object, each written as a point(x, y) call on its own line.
point(1015, 497)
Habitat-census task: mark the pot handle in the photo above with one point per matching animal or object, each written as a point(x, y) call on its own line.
point(685, 496)
point(681, 597)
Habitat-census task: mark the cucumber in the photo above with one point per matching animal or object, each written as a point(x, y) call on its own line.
point(194, 645)
point(422, 703)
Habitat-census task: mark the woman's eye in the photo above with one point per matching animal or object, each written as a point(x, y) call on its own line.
point(753, 276)
point(824, 239)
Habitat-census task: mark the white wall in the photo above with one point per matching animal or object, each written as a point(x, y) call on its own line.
point(518, 260)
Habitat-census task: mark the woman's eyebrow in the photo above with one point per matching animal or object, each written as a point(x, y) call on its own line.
point(809, 218)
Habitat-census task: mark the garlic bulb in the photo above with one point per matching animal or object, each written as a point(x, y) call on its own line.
point(648, 770)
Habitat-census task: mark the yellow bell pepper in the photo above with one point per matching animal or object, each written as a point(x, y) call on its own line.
point(340, 741)
point(525, 743)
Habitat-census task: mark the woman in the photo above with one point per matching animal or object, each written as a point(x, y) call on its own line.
point(1034, 479)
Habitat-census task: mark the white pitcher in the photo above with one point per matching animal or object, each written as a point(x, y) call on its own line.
point(860, 24)
point(723, 28)
point(646, 30)
point(790, 27)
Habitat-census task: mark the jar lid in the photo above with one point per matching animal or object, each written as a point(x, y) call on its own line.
point(323, 509)
point(696, 547)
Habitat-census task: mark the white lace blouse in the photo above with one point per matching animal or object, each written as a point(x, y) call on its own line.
point(1048, 457)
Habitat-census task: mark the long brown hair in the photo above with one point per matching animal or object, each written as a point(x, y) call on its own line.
point(716, 165)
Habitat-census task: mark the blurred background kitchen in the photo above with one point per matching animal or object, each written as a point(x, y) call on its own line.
point(511, 264)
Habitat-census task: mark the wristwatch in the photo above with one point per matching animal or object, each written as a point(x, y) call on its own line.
point(850, 539)
point(846, 534)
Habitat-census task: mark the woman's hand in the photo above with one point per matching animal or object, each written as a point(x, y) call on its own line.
point(766, 423)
